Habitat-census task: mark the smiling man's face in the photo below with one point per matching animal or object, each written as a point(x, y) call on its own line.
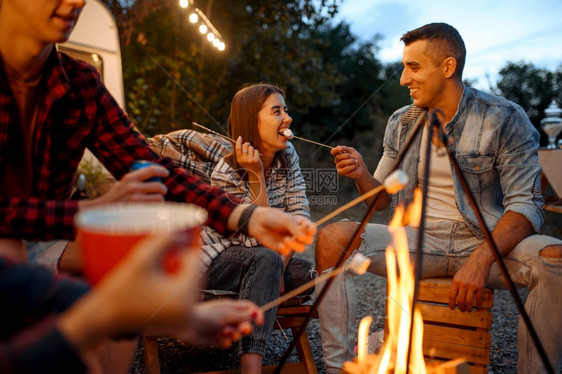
point(422, 76)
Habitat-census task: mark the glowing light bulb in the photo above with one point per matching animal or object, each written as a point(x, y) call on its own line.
point(203, 29)
point(210, 36)
point(221, 46)
point(193, 18)
point(184, 3)
point(216, 42)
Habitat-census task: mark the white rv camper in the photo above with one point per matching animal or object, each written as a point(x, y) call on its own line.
point(95, 39)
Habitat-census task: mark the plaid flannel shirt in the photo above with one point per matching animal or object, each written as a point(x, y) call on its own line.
point(77, 112)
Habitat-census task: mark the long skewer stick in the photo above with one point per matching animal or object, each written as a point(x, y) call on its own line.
point(312, 141)
point(214, 132)
point(365, 196)
point(301, 289)
point(393, 183)
point(359, 264)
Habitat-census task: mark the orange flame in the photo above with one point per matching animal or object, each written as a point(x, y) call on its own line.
point(401, 293)
point(401, 283)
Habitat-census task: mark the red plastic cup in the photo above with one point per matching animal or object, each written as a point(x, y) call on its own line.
point(107, 233)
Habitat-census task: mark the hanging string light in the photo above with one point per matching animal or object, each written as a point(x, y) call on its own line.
point(197, 17)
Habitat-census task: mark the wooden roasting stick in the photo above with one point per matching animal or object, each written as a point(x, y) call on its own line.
point(313, 142)
point(392, 184)
point(289, 135)
point(214, 132)
point(359, 263)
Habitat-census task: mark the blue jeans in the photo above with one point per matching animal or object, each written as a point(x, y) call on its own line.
point(447, 246)
point(255, 274)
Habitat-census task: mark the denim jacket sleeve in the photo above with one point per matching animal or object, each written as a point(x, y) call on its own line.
point(519, 169)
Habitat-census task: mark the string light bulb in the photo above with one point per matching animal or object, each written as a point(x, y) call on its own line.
point(205, 26)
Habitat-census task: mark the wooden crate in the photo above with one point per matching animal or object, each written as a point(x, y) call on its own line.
point(451, 334)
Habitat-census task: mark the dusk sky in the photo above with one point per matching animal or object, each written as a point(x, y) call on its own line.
point(494, 31)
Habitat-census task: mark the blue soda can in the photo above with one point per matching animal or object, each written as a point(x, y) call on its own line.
point(139, 164)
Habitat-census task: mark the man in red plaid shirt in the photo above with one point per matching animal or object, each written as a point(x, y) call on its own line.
point(53, 107)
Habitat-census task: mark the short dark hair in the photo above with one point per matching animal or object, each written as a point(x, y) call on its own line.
point(443, 41)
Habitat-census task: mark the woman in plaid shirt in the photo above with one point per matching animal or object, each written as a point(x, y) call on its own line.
point(263, 169)
point(53, 107)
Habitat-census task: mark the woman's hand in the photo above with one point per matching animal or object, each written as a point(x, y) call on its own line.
point(220, 322)
point(141, 293)
point(248, 157)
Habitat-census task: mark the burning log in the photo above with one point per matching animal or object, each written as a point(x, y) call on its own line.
point(456, 366)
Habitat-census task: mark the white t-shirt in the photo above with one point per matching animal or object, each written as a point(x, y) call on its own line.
point(440, 192)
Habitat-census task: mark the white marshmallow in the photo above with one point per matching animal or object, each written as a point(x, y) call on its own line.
point(288, 133)
point(359, 263)
point(395, 181)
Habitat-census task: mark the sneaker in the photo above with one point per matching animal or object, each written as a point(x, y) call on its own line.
point(374, 342)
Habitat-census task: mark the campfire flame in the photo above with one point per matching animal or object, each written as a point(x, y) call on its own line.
point(401, 283)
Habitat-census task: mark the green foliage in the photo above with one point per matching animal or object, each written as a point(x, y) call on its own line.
point(335, 85)
point(95, 177)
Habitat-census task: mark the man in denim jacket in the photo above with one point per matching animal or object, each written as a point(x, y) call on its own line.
point(496, 147)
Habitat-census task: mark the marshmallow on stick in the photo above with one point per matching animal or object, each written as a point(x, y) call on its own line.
point(289, 135)
point(392, 184)
point(359, 264)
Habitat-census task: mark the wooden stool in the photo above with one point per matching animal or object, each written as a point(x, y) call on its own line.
point(288, 317)
point(450, 334)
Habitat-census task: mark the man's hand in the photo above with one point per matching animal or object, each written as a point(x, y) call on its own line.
point(132, 187)
point(280, 231)
point(349, 162)
point(471, 278)
point(469, 281)
point(221, 322)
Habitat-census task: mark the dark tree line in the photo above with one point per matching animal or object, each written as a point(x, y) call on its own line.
point(337, 89)
point(335, 85)
point(532, 88)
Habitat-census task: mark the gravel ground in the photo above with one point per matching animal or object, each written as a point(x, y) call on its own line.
point(177, 357)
